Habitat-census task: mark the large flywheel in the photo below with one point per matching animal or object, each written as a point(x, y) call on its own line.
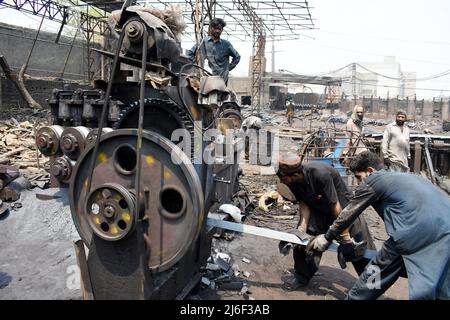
point(171, 200)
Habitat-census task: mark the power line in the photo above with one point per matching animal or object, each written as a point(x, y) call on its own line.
point(396, 87)
point(431, 77)
point(426, 78)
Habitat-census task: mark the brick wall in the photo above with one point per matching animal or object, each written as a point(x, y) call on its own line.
point(40, 90)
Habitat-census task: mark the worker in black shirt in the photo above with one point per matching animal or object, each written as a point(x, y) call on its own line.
point(322, 194)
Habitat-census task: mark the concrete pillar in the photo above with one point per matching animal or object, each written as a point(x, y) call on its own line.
point(374, 106)
point(410, 107)
point(445, 109)
point(427, 109)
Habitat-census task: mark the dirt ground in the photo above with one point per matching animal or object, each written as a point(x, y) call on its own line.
point(37, 256)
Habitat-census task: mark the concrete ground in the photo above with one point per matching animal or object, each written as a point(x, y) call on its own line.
point(37, 256)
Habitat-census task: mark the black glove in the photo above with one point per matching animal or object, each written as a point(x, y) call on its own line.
point(350, 251)
point(387, 162)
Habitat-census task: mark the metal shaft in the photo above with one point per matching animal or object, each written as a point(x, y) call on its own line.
point(272, 234)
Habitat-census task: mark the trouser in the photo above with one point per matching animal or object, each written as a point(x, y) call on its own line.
point(380, 274)
point(247, 147)
point(306, 265)
point(255, 147)
point(290, 116)
point(398, 167)
point(424, 281)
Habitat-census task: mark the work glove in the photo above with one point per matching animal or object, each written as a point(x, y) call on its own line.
point(285, 247)
point(318, 244)
point(387, 162)
point(349, 251)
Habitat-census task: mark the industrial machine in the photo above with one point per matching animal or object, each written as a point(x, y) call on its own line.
point(138, 199)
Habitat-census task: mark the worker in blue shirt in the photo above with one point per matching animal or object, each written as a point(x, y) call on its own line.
point(217, 51)
point(416, 215)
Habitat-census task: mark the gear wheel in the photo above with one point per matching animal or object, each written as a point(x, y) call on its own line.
point(161, 116)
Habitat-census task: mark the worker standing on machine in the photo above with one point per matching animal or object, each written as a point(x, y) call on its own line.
point(217, 51)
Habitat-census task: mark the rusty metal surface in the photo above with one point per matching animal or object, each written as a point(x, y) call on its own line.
point(61, 168)
point(92, 135)
point(73, 141)
point(137, 201)
point(168, 235)
point(48, 139)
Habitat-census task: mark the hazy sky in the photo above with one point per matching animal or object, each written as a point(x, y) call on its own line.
point(415, 32)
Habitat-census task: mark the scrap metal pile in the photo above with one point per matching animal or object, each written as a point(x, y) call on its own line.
point(17, 145)
point(138, 201)
point(21, 165)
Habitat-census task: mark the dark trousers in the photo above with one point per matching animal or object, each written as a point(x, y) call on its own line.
point(255, 147)
point(306, 265)
point(381, 273)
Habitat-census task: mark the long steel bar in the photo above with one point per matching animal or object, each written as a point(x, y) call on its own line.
point(272, 234)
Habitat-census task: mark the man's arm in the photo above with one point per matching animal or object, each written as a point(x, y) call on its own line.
point(364, 197)
point(305, 213)
point(385, 142)
point(336, 213)
point(349, 132)
point(235, 55)
point(191, 53)
point(329, 189)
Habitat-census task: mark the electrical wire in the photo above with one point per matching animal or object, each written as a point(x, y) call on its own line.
point(426, 78)
point(397, 87)
point(431, 77)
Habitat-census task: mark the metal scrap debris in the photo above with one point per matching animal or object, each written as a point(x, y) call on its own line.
point(17, 145)
point(268, 198)
point(4, 208)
